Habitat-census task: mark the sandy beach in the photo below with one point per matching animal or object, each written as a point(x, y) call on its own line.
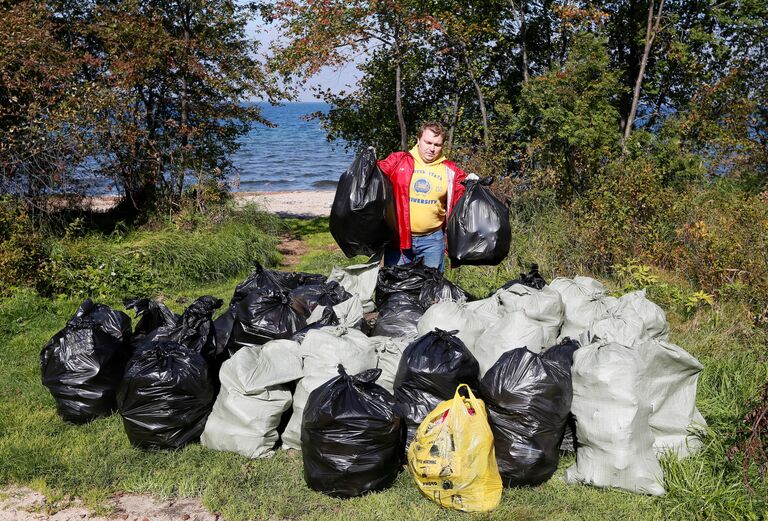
point(297, 203)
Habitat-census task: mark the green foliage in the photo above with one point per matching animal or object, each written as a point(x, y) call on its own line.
point(143, 262)
point(569, 118)
point(152, 95)
point(21, 251)
point(625, 215)
point(721, 242)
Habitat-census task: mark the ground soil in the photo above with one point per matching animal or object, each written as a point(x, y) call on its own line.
point(25, 504)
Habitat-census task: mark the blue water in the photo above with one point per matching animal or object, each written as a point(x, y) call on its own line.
point(294, 155)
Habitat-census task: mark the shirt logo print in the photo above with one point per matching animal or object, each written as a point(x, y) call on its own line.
point(422, 186)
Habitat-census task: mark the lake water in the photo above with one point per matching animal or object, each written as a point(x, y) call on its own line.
point(294, 155)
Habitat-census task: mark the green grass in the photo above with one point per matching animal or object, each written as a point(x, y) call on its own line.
point(145, 262)
point(95, 460)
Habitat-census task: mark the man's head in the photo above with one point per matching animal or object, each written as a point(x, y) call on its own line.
point(430, 142)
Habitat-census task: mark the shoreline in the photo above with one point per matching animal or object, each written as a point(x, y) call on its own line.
point(286, 203)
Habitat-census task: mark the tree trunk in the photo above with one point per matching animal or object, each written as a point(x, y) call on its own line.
point(651, 30)
point(399, 108)
point(524, 40)
point(480, 98)
point(454, 120)
point(184, 103)
point(398, 92)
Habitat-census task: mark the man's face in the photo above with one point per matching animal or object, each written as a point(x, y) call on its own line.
point(430, 146)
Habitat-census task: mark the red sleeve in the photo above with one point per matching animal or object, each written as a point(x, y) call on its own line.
point(389, 164)
point(458, 188)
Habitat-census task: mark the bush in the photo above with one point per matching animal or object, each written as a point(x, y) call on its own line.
point(627, 215)
point(721, 242)
point(21, 247)
point(142, 262)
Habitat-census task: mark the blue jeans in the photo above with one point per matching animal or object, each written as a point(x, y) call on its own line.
point(431, 247)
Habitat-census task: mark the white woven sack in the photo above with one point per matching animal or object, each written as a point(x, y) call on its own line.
point(612, 421)
point(389, 351)
point(487, 310)
point(252, 399)
point(673, 376)
point(542, 305)
point(512, 331)
point(452, 316)
point(584, 300)
point(360, 280)
point(322, 351)
point(622, 325)
point(349, 312)
point(654, 318)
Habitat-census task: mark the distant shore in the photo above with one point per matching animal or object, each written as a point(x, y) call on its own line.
point(293, 203)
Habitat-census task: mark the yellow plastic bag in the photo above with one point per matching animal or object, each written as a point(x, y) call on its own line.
point(452, 458)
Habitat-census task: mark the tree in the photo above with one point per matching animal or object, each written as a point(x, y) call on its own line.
point(569, 117)
point(178, 74)
point(324, 33)
point(42, 103)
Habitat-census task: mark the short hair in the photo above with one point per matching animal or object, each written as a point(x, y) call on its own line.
point(435, 126)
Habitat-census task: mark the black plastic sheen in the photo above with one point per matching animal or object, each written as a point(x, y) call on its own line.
point(528, 399)
point(263, 316)
point(429, 372)
point(478, 229)
point(532, 279)
point(327, 293)
point(165, 396)
point(563, 354)
point(362, 217)
point(351, 438)
point(83, 363)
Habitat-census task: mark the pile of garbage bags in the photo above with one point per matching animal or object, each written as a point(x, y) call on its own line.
point(472, 394)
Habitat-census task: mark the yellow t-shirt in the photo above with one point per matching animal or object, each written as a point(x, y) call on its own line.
point(429, 189)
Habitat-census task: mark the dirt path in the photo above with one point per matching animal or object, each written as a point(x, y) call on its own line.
point(25, 504)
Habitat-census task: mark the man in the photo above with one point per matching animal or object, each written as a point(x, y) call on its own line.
point(426, 187)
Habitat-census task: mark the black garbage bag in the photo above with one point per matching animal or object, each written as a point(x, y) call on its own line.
point(351, 438)
point(478, 229)
point(327, 293)
point(82, 364)
point(165, 396)
point(528, 399)
point(563, 354)
point(404, 278)
point(532, 279)
point(363, 213)
point(260, 278)
point(296, 279)
point(328, 318)
point(194, 329)
point(152, 315)
point(263, 316)
point(399, 316)
point(429, 372)
point(437, 288)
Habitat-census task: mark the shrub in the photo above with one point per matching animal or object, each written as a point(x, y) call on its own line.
point(21, 247)
point(721, 242)
point(143, 262)
point(625, 216)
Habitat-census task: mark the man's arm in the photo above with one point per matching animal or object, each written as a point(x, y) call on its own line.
point(388, 165)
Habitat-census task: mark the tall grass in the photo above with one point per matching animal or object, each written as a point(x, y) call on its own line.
point(143, 262)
